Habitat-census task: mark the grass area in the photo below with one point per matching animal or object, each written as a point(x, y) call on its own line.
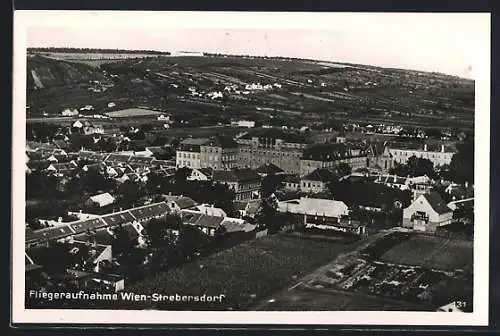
point(431, 251)
point(132, 112)
point(308, 300)
point(244, 273)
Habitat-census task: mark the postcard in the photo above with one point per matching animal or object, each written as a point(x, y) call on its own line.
point(251, 168)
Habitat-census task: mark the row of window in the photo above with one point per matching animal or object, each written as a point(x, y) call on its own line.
point(188, 155)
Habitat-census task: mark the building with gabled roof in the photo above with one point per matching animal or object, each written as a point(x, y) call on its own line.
point(244, 182)
point(102, 200)
point(317, 181)
point(330, 155)
point(427, 212)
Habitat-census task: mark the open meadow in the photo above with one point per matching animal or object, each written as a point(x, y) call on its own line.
point(245, 273)
point(430, 251)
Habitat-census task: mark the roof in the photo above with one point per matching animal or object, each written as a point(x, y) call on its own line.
point(87, 225)
point(149, 211)
point(182, 202)
point(269, 169)
point(437, 203)
point(102, 237)
point(103, 199)
point(326, 152)
point(200, 219)
point(206, 171)
point(271, 134)
point(118, 218)
point(210, 210)
point(291, 178)
point(51, 233)
point(236, 175)
point(221, 141)
point(314, 206)
point(195, 141)
point(320, 174)
point(118, 157)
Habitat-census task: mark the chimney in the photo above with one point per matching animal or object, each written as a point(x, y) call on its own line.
point(425, 147)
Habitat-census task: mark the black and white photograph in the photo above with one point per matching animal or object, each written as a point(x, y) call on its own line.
point(218, 167)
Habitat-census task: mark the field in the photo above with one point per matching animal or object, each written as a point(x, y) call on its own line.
point(432, 252)
point(132, 112)
point(244, 273)
point(307, 300)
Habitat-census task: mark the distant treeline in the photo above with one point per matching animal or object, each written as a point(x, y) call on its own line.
point(97, 50)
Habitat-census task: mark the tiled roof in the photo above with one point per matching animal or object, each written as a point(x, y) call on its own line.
point(321, 175)
point(269, 169)
point(149, 211)
point(118, 218)
point(51, 233)
point(291, 178)
point(182, 202)
point(274, 133)
point(89, 224)
point(437, 203)
point(236, 175)
point(326, 152)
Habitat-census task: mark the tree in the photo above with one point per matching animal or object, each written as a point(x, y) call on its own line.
point(182, 174)
point(415, 167)
point(269, 184)
point(130, 192)
point(462, 162)
point(343, 169)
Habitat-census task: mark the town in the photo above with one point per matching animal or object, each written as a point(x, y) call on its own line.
point(279, 183)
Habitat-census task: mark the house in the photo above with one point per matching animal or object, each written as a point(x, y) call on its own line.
point(102, 200)
point(69, 112)
point(291, 182)
point(200, 174)
point(96, 253)
point(178, 203)
point(243, 123)
point(426, 213)
point(206, 223)
point(317, 181)
point(322, 214)
point(62, 168)
point(244, 182)
point(439, 155)
point(210, 210)
point(114, 282)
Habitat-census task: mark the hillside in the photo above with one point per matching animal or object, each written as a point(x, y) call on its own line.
point(44, 73)
point(268, 91)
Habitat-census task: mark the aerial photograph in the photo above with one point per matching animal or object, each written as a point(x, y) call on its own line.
point(240, 169)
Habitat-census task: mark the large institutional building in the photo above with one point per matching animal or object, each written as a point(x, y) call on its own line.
point(272, 146)
point(330, 155)
point(439, 155)
point(218, 153)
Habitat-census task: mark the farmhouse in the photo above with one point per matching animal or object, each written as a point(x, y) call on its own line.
point(426, 213)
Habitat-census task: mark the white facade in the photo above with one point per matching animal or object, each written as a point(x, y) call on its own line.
point(438, 158)
point(188, 159)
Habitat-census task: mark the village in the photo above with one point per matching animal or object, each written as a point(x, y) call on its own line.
point(119, 217)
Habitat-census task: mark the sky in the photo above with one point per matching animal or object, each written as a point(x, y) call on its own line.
point(449, 43)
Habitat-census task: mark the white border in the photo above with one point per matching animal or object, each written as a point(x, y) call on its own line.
point(24, 19)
